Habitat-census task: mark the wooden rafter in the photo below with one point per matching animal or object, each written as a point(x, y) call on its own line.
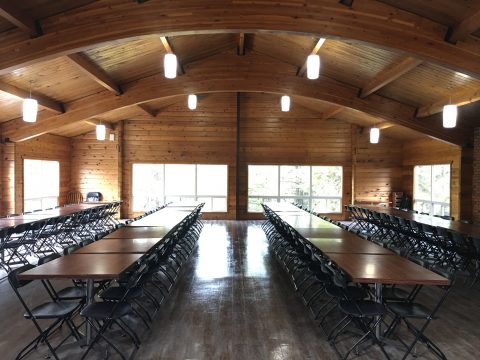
point(384, 125)
point(95, 72)
point(465, 28)
point(241, 44)
point(315, 51)
point(241, 75)
point(368, 21)
point(169, 49)
point(389, 74)
point(331, 112)
point(10, 12)
point(95, 122)
point(460, 98)
point(147, 110)
point(43, 101)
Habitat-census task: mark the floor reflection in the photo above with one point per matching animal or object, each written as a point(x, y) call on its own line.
point(256, 251)
point(213, 254)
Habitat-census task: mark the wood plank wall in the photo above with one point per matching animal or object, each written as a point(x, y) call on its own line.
point(8, 179)
point(46, 147)
point(178, 135)
point(429, 152)
point(268, 136)
point(96, 165)
point(377, 168)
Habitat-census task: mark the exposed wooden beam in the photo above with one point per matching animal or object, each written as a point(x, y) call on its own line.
point(241, 75)
point(460, 98)
point(43, 101)
point(241, 44)
point(465, 28)
point(169, 49)
point(389, 74)
point(95, 122)
point(147, 110)
point(315, 51)
point(95, 72)
point(10, 12)
point(368, 21)
point(385, 125)
point(330, 113)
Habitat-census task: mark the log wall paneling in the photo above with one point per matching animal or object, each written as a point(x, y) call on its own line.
point(7, 204)
point(377, 168)
point(299, 137)
point(467, 183)
point(428, 152)
point(46, 147)
point(179, 135)
point(96, 165)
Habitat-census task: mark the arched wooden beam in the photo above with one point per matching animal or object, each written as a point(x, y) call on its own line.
point(233, 74)
point(366, 20)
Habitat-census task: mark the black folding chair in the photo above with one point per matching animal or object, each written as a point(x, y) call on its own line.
point(412, 313)
point(59, 311)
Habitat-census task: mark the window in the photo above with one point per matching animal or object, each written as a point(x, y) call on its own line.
point(41, 184)
point(156, 184)
point(432, 189)
point(316, 187)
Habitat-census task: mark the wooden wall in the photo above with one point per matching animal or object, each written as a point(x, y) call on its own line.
point(377, 168)
point(179, 135)
point(428, 152)
point(46, 147)
point(7, 205)
point(269, 136)
point(96, 165)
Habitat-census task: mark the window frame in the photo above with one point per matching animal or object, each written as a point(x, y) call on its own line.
point(42, 199)
point(430, 201)
point(290, 198)
point(194, 197)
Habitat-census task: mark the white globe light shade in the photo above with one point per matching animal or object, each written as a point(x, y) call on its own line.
point(285, 102)
point(101, 131)
point(170, 66)
point(374, 135)
point(30, 109)
point(192, 102)
point(449, 116)
point(313, 67)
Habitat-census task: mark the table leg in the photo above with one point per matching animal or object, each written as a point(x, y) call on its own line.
point(90, 298)
point(378, 298)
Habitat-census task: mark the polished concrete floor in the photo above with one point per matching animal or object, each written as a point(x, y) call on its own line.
point(233, 301)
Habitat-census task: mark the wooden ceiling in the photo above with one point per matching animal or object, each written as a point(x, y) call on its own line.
point(392, 63)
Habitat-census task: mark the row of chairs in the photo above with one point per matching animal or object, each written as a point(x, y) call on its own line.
point(26, 243)
point(341, 306)
point(433, 247)
point(122, 306)
point(146, 213)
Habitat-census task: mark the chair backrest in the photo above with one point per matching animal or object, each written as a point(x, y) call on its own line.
point(94, 196)
point(15, 283)
point(48, 258)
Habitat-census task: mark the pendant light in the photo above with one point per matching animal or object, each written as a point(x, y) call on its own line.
point(192, 102)
point(170, 66)
point(450, 116)
point(101, 131)
point(30, 108)
point(374, 135)
point(313, 66)
point(285, 103)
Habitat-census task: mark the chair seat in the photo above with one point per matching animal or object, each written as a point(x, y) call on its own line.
point(53, 310)
point(410, 310)
point(102, 310)
point(72, 293)
point(362, 308)
point(353, 292)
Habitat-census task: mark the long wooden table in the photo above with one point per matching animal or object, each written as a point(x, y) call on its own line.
point(364, 262)
point(466, 229)
point(109, 257)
